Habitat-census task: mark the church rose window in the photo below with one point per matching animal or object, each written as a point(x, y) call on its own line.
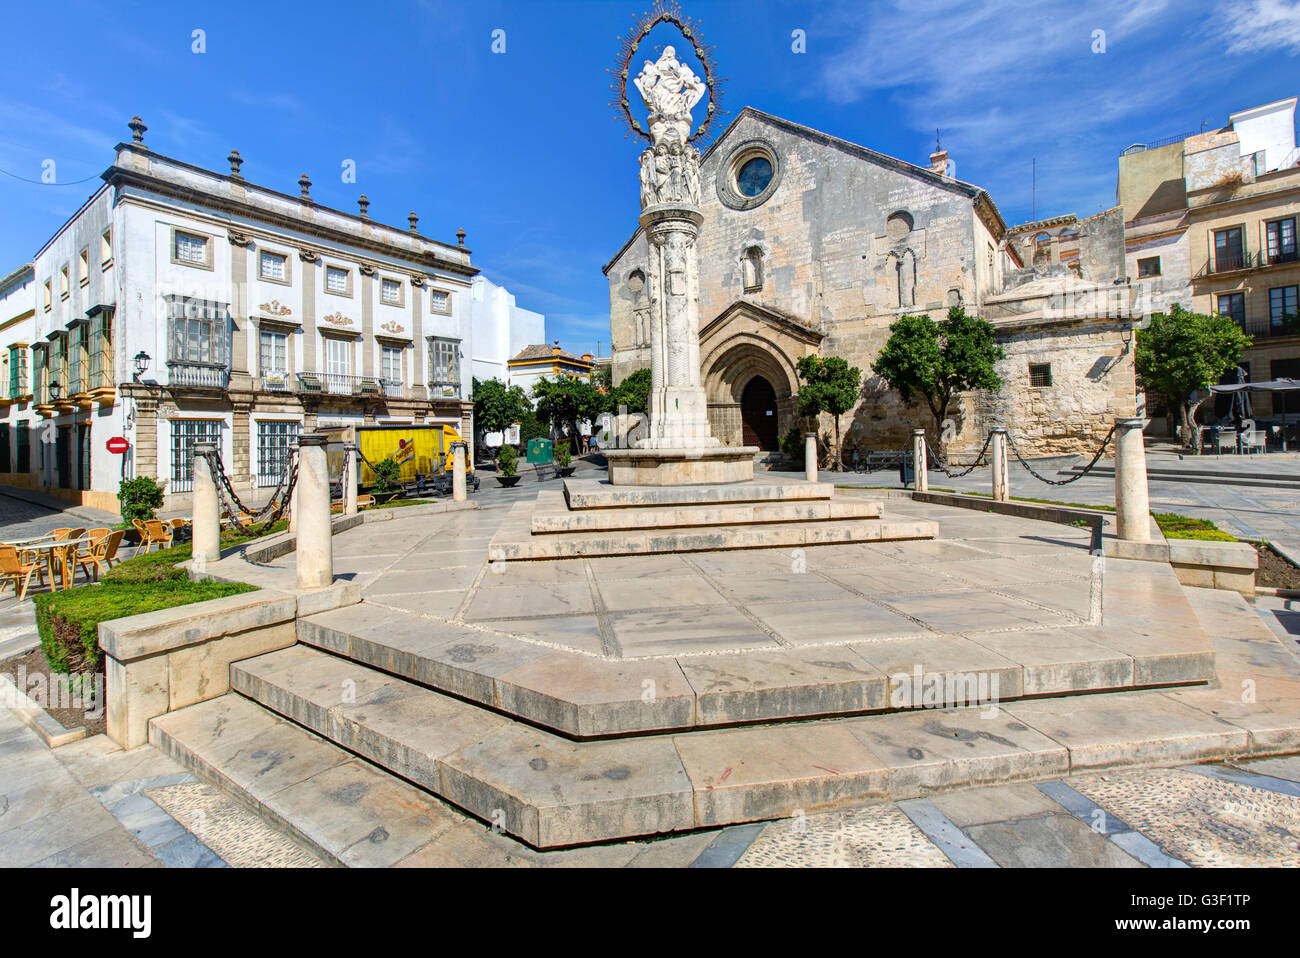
point(754, 176)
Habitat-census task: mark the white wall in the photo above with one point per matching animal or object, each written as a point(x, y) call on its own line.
point(502, 328)
point(1270, 128)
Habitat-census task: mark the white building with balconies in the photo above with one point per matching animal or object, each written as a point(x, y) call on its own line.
point(179, 305)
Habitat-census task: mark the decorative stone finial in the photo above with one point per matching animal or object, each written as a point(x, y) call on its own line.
point(304, 182)
point(137, 130)
point(413, 220)
point(236, 161)
point(460, 238)
point(364, 204)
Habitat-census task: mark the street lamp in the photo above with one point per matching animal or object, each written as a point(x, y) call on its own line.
point(141, 364)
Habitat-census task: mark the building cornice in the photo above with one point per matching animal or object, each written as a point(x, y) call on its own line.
point(119, 176)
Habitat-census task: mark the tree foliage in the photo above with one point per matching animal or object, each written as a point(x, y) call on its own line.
point(497, 406)
point(565, 401)
point(1181, 352)
point(829, 385)
point(936, 361)
point(633, 393)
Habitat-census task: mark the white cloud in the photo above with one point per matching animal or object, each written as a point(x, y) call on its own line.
point(1254, 26)
point(1006, 82)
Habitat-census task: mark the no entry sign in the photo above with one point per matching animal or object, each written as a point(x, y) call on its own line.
point(117, 444)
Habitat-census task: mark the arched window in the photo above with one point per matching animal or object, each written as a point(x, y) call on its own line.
point(751, 264)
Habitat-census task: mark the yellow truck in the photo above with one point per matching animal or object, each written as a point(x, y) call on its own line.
point(422, 452)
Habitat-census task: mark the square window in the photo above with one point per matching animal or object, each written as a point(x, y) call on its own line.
point(390, 292)
point(190, 249)
point(1150, 266)
point(1283, 306)
point(1281, 239)
point(273, 266)
point(337, 280)
point(1233, 305)
point(439, 301)
point(1040, 374)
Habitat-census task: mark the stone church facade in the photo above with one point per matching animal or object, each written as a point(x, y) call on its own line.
point(814, 245)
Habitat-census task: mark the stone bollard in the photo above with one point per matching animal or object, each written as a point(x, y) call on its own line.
point(1001, 479)
point(314, 548)
point(1132, 504)
point(458, 491)
point(920, 463)
point(810, 456)
point(207, 509)
point(293, 493)
point(351, 471)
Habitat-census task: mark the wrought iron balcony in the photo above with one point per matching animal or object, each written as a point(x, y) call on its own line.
point(1264, 327)
point(1228, 261)
point(198, 375)
point(1280, 256)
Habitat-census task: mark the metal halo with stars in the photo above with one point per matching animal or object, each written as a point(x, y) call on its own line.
point(664, 11)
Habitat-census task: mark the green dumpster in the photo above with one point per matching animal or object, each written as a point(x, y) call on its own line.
point(540, 451)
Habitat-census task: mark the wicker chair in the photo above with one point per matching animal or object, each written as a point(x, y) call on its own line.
point(13, 569)
point(102, 553)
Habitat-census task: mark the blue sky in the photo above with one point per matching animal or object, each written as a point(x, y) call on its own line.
point(521, 148)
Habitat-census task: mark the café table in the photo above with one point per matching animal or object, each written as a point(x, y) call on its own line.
point(51, 549)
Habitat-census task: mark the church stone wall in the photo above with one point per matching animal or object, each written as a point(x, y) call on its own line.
point(830, 258)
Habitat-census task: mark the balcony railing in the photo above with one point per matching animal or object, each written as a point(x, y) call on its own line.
point(1265, 327)
point(198, 375)
point(1228, 261)
point(337, 384)
point(1282, 256)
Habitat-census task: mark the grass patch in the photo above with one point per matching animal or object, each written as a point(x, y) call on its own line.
point(1184, 527)
point(398, 503)
point(68, 621)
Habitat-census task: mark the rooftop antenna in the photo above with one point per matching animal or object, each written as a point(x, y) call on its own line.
point(1034, 216)
point(937, 147)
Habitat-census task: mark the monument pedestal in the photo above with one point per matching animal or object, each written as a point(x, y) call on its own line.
point(680, 467)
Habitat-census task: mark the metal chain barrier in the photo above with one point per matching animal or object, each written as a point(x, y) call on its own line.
point(943, 467)
point(233, 507)
point(1061, 482)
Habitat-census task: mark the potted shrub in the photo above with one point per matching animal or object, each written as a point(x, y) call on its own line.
point(507, 465)
point(563, 460)
point(141, 498)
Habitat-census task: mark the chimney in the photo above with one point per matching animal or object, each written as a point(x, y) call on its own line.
point(939, 158)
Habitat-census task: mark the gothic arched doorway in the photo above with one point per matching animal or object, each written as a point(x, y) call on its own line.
point(758, 414)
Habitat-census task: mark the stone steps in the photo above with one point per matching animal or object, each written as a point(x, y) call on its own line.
point(552, 516)
point(516, 540)
point(550, 791)
point(589, 696)
point(598, 494)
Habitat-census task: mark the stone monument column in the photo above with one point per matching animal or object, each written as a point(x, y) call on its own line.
point(678, 447)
